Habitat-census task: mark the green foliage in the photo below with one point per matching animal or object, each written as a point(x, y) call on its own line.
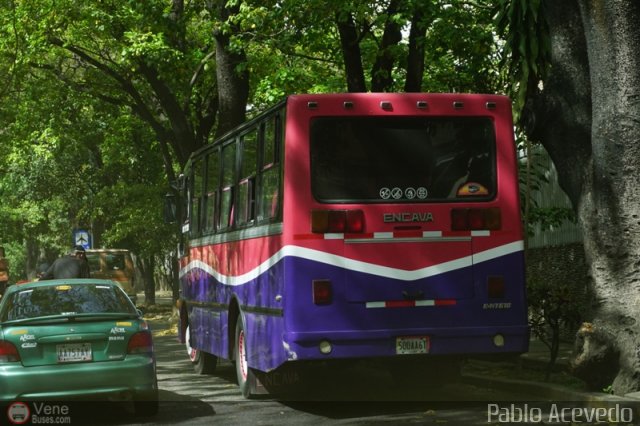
point(608, 390)
point(527, 45)
point(555, 304)
point(462, 54)
point(550, 217)
point(90, 89)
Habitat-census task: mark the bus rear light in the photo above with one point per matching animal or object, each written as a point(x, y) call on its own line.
point(355, 221)
point(322, 292)
point(337, 221)
point(495, 287)
point(476, 219)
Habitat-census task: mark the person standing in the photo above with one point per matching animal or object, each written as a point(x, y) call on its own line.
point(4, 271)
point(73, 265)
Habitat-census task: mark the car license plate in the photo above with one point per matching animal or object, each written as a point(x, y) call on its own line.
point(74, 352)
point(412, 345)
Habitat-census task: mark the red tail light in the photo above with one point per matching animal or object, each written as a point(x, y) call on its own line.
point(140, 343)
point(355, 221)
point(495, 287)
point(337, 221)
point(322, 293)
point(8, 352)
point(476, 219)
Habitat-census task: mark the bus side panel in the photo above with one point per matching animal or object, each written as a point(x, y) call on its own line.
point(260, 303)
point(204, 311)
point(261, 306)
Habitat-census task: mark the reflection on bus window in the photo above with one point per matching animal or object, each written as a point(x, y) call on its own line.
point(421, 158)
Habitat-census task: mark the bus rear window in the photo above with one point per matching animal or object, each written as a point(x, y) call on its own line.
point(402, 159)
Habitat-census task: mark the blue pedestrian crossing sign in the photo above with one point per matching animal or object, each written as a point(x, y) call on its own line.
point(82, 237)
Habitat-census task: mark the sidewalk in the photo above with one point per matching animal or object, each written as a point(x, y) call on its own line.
point(537, 359)
point(539, 354)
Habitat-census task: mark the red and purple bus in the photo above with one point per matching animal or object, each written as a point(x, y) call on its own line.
point(354, 226)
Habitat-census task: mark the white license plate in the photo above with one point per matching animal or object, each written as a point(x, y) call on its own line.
point(412, 345)
point(74, 352)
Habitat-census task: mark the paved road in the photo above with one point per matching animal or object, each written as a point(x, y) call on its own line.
point(359, 395)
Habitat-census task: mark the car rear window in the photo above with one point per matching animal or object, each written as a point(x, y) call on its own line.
point(65, 300)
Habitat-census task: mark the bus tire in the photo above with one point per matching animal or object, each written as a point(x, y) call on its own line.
point(245, 374)
point(203, 362)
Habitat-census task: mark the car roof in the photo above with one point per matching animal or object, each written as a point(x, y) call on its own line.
point(65, 281)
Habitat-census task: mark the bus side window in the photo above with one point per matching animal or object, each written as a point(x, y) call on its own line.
point(269, 203)
point(226, 208)
point(270, 193)
point(196, 201)
point(248, 168)
point(186, 202)
point(212, 190)
point(228, 182)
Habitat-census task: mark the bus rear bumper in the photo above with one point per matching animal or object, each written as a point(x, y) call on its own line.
point(467, 341)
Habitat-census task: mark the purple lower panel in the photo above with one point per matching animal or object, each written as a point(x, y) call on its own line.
point(282, 323)
point(372, 344)
point(210, 302)
point(266, 349)
point(355, 330)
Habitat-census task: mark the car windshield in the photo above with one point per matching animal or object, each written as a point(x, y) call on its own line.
point(65, 300)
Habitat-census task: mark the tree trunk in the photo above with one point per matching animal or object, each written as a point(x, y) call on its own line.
point(351, 53)
point(588, 118)
point(232, 74)
point(31, 257)
point(147, 266)
point(610, 208)
point(381, 73)
point(415, 58)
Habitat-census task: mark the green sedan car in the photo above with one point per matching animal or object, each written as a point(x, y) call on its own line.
point(75, 338)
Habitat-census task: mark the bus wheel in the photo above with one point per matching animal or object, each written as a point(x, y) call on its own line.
point(203, 362)
point(245, 374)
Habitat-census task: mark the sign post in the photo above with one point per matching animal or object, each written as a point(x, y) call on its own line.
point(82, 237)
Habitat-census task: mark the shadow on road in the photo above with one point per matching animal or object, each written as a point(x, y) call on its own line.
point(173, 408)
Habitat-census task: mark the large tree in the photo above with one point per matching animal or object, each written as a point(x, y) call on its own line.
point(581, 99)
point(96, 83)
point(156, 59)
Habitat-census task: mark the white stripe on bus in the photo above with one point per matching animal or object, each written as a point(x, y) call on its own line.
point(355, 265)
